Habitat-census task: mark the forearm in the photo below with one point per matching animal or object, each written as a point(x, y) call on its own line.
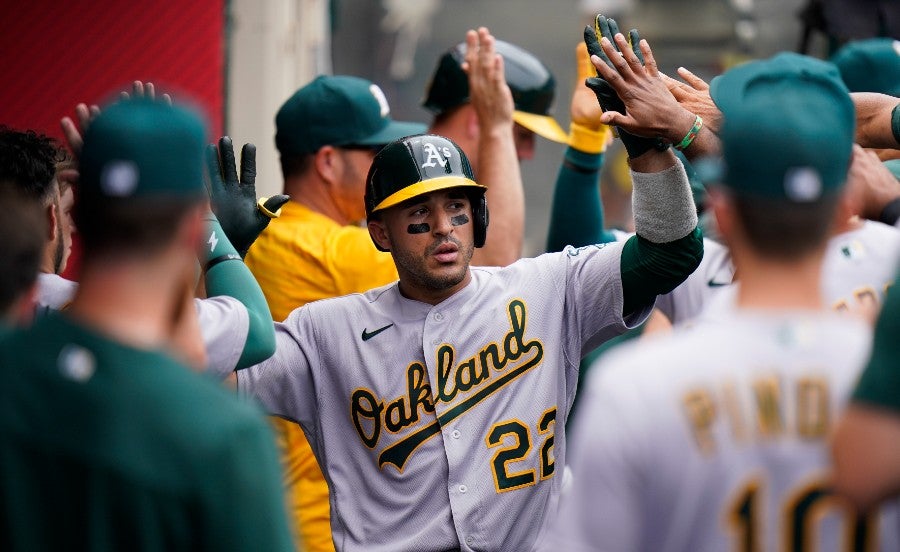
point(499, 170)
point(668, 246)
point(576, 217)
point(877, 120)
point(706, 144)
point(228, 275)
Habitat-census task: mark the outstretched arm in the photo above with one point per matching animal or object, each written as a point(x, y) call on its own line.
point(668, 245)
point(226, 274)
point(499, 165)
point(877, 120)
point(576, 217)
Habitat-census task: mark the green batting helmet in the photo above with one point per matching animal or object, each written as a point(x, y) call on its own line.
point(531, 83)
point(420, 164)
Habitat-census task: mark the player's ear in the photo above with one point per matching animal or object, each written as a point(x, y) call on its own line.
point(379, 234)
point(53, 215)
point(326, 160)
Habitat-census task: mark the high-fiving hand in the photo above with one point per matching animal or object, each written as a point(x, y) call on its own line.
point(234, 202)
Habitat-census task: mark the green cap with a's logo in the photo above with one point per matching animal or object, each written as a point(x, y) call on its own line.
point(337, 111)
point(788, 130)
point(143, 148)
point(871, 65)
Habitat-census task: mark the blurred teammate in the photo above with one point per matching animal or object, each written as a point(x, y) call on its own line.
point(728, 449)
point(233, 299)
point(24, 230)
point(867, 441)
point(28, 162)
point(103, 432)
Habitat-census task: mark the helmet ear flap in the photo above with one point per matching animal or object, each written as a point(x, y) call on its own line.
point(481, 218)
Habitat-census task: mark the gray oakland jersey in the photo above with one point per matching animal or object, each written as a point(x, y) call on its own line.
point(716, 438)
point(442, 427)
point(224, 324)
point(859, 265)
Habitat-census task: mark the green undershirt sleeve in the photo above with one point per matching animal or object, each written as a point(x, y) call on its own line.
point(650, 269)
point(226, 274)
point(576, 217)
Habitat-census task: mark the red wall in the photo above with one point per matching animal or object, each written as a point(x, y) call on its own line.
point(56, 54)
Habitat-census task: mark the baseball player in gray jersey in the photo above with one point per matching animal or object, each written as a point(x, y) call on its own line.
point(728, 449)
point(860, 259)
point(436, 405)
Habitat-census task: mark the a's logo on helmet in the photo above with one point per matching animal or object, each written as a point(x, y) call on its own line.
point(433, 156)
point(381, 99)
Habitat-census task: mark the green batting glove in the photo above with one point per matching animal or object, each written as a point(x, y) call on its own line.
point(607, 97)
point(234, 202)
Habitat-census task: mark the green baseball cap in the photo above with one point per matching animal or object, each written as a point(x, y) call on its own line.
point(788, 130)
point(143, 148)
point(337, 111)
point(871, 65)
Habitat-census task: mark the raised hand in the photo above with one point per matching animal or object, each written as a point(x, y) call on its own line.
point(587, 132)
point(650, 110)
point(140, 89)
point(234, 202)
point(85, 114)
point(694, 96)
point(608, 97)
point(488, 92)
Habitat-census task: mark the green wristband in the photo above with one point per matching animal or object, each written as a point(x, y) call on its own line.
point(689, 137)
point(216, 247)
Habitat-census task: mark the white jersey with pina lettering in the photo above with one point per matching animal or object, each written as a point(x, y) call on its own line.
point(716, 438)
point(859, 266)
point(442, 427)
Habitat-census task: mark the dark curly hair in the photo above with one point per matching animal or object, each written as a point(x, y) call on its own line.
point(28, 161)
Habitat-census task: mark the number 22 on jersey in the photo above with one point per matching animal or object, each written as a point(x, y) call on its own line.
point(505, 479)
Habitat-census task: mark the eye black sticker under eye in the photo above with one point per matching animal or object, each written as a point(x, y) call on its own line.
point(459, 220)
point(418, 228)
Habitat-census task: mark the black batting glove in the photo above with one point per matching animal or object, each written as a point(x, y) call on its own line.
point(234, 202)
point(607, 97)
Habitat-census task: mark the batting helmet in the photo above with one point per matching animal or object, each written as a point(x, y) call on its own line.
point(530, 81)
point(419, 164)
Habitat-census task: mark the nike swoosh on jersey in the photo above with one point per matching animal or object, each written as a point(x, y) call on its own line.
point(713, 283)
point(369, 335)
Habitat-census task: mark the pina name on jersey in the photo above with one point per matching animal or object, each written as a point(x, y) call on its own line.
point(461, 385)
point(767, 407)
